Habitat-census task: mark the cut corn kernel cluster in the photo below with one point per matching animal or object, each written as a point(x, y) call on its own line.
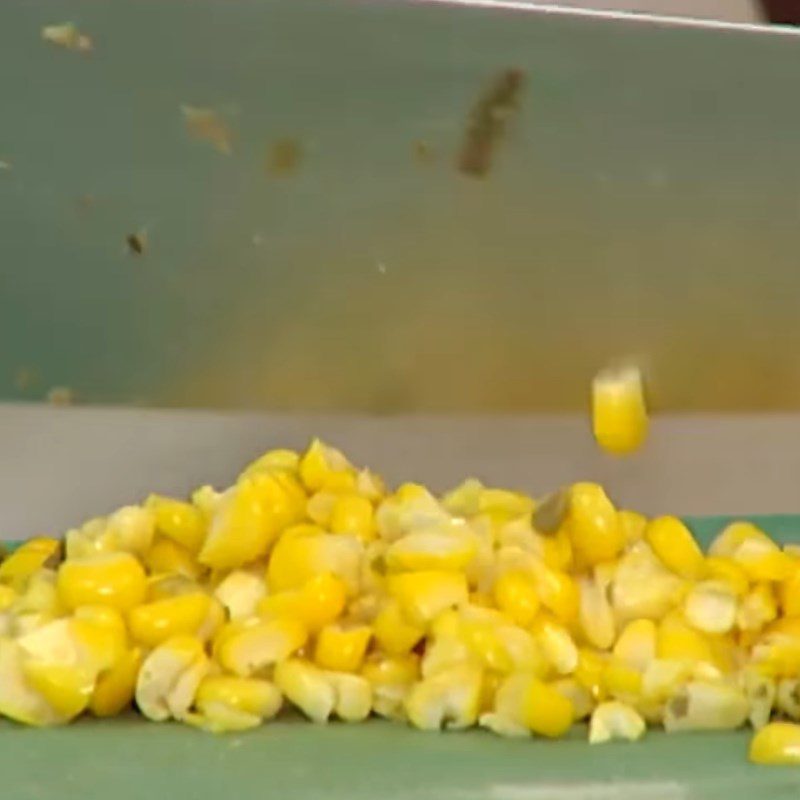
point(309, 583)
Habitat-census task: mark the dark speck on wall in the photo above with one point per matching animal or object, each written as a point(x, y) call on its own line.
point(488, 121)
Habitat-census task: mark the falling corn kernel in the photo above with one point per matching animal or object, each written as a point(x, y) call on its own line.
point(619, 410)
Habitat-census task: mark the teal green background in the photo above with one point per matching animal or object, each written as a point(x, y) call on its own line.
point(643, 204)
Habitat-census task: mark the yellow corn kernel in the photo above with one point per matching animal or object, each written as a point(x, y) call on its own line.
point(354, 515)
point(583, 703)
point(763, 560)
point(240, 593)
point(465, 499)
point(18, 700)
point(589, 672)
point(632, 525)
point(557, 591)
point(28, 558)
point(499, 646)
point(424, 595)
point(636, 645)
point(515, 595)
point(758, 608)
point(706, 706)
point(249, 647)
point(154, 623)
point(504, 503)
point(306, 687)
point(663, 678)
point(726, 570)
point(273, 461)
point(728, 541)
point(394, 633)
point(391, 678)
point(430, 550)
point(411, 508)
point(249, 517)
point(450, 698)
point(556, 550)
point(787, 698)
point(324, 596)
point(760, 691)
point(777, 654)
point(324, 467)
point(593, 525)
point(101, 633)
point(7, 597)
point(595, 616)
point(115, 688)
point(342, 648)
point(166, 557)
point(710, 606)
point(353, 696)
point(619, 410)
point(642, 587)
point(206, 500)
point(298, 558)
point(790, 594)
point(66, 688)
point(287, 604)
point(621, 681)
point(229, 703)
point(776, 743)
point(533, 705)
point(443, 651)
point(114, 579)
point(675, 546)
point(370, 485)
point(319, 508)
point(131, 528)
point(37, 605)
point(169, 677)
point(556, 644)
point(678, 641)
point(178, 521)
point(615, 720)
point(319, 602)
point(725, 652)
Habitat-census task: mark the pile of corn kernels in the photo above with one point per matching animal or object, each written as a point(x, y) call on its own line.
point(310, 584)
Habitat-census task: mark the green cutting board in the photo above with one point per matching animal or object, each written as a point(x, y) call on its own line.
point(129, 758)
